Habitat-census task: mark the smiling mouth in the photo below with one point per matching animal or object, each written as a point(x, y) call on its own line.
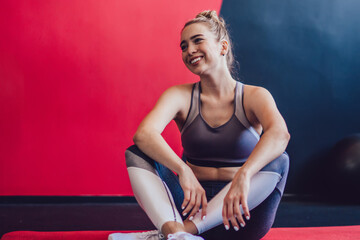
point(195, 60)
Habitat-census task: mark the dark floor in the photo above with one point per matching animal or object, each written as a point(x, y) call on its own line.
point(310, 214)
point(40, 216)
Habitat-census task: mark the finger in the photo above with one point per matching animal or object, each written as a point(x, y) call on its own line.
point(186, 199)
point(225, 218)
point(190, 205)
point(231, 215)
point(245, 207)
point(196, 207)
point(203, 206)
point(238, 214)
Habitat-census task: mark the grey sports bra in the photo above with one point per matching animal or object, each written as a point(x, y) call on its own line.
point(225, 146)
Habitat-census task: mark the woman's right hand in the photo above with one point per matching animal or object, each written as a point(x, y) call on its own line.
point(194, 194)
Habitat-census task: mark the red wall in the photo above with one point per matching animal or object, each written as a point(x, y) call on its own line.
point(76, 78)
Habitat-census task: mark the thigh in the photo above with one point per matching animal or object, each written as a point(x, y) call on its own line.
point(172, 182)
point(262, 218)
point(166, 175)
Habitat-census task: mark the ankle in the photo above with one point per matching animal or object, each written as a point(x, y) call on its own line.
point(172, 227)
point(190, 227)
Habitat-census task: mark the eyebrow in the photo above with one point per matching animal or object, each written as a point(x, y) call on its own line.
point(195, 36)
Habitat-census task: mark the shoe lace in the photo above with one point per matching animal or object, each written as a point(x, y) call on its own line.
point(171, 237)
point(176, 236)
point(150, 234)
point(182, 236)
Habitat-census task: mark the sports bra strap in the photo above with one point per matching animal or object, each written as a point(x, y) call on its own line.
point(194, 107)
point(240, 110)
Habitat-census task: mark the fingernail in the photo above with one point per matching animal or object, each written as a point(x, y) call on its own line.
point(242, 225)
point(182, 207)
point(191, 218)
point(236, 228)
point(247, 217)
point(227, 227)
point(184, 214)
point(203, 217)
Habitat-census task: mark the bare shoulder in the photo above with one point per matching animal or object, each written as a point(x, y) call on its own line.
point(257, 102)
point(255, 91)
point(257, 97)
point(183, 99)
point(171, 105)
point(180, 89)
point(178, 98)
point(177, 94)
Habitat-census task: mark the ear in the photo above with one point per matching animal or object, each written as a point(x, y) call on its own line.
point(224, 47)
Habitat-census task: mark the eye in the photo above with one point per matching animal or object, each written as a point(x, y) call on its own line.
point(183, 47)
point(197, 40)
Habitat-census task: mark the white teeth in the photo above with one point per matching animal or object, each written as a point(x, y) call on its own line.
point(195, 60)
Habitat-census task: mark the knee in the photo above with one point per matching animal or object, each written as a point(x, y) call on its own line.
point(279, 164)
point(261, 232)
point(130, 152)
point(133, 148)
point(134, 157)
point(283, 162)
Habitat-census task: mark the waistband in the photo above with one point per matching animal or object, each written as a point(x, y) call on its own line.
point(216, 164)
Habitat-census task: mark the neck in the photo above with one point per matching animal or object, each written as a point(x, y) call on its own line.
point(218, 83)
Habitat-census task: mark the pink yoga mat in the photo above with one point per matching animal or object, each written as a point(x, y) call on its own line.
point(309, 233)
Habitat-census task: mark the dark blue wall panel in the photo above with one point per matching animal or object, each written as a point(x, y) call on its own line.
point(307, 54)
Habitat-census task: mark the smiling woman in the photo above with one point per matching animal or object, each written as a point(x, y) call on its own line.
point(217, 28)
point(228, 172)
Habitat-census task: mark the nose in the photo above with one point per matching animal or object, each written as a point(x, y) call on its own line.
point(191, 49)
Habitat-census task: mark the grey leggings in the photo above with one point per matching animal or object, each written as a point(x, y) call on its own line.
point(262, 216)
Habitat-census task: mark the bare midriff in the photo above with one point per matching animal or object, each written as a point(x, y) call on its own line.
point(213, 174)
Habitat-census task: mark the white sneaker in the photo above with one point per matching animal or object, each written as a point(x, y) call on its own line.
point(183, 236)
point(150, 235)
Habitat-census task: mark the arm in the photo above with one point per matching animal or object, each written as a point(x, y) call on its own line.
point(149, 140)
point(275, 138)
point(148, 135)
point(260, 107)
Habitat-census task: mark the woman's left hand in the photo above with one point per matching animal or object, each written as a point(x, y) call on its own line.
point(236, 197)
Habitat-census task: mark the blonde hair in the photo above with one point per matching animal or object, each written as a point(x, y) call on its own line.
point(218, 27)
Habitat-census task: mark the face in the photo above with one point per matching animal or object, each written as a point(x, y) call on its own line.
point(201, 51)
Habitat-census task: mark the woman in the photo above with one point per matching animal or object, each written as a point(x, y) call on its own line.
point(228, 174)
